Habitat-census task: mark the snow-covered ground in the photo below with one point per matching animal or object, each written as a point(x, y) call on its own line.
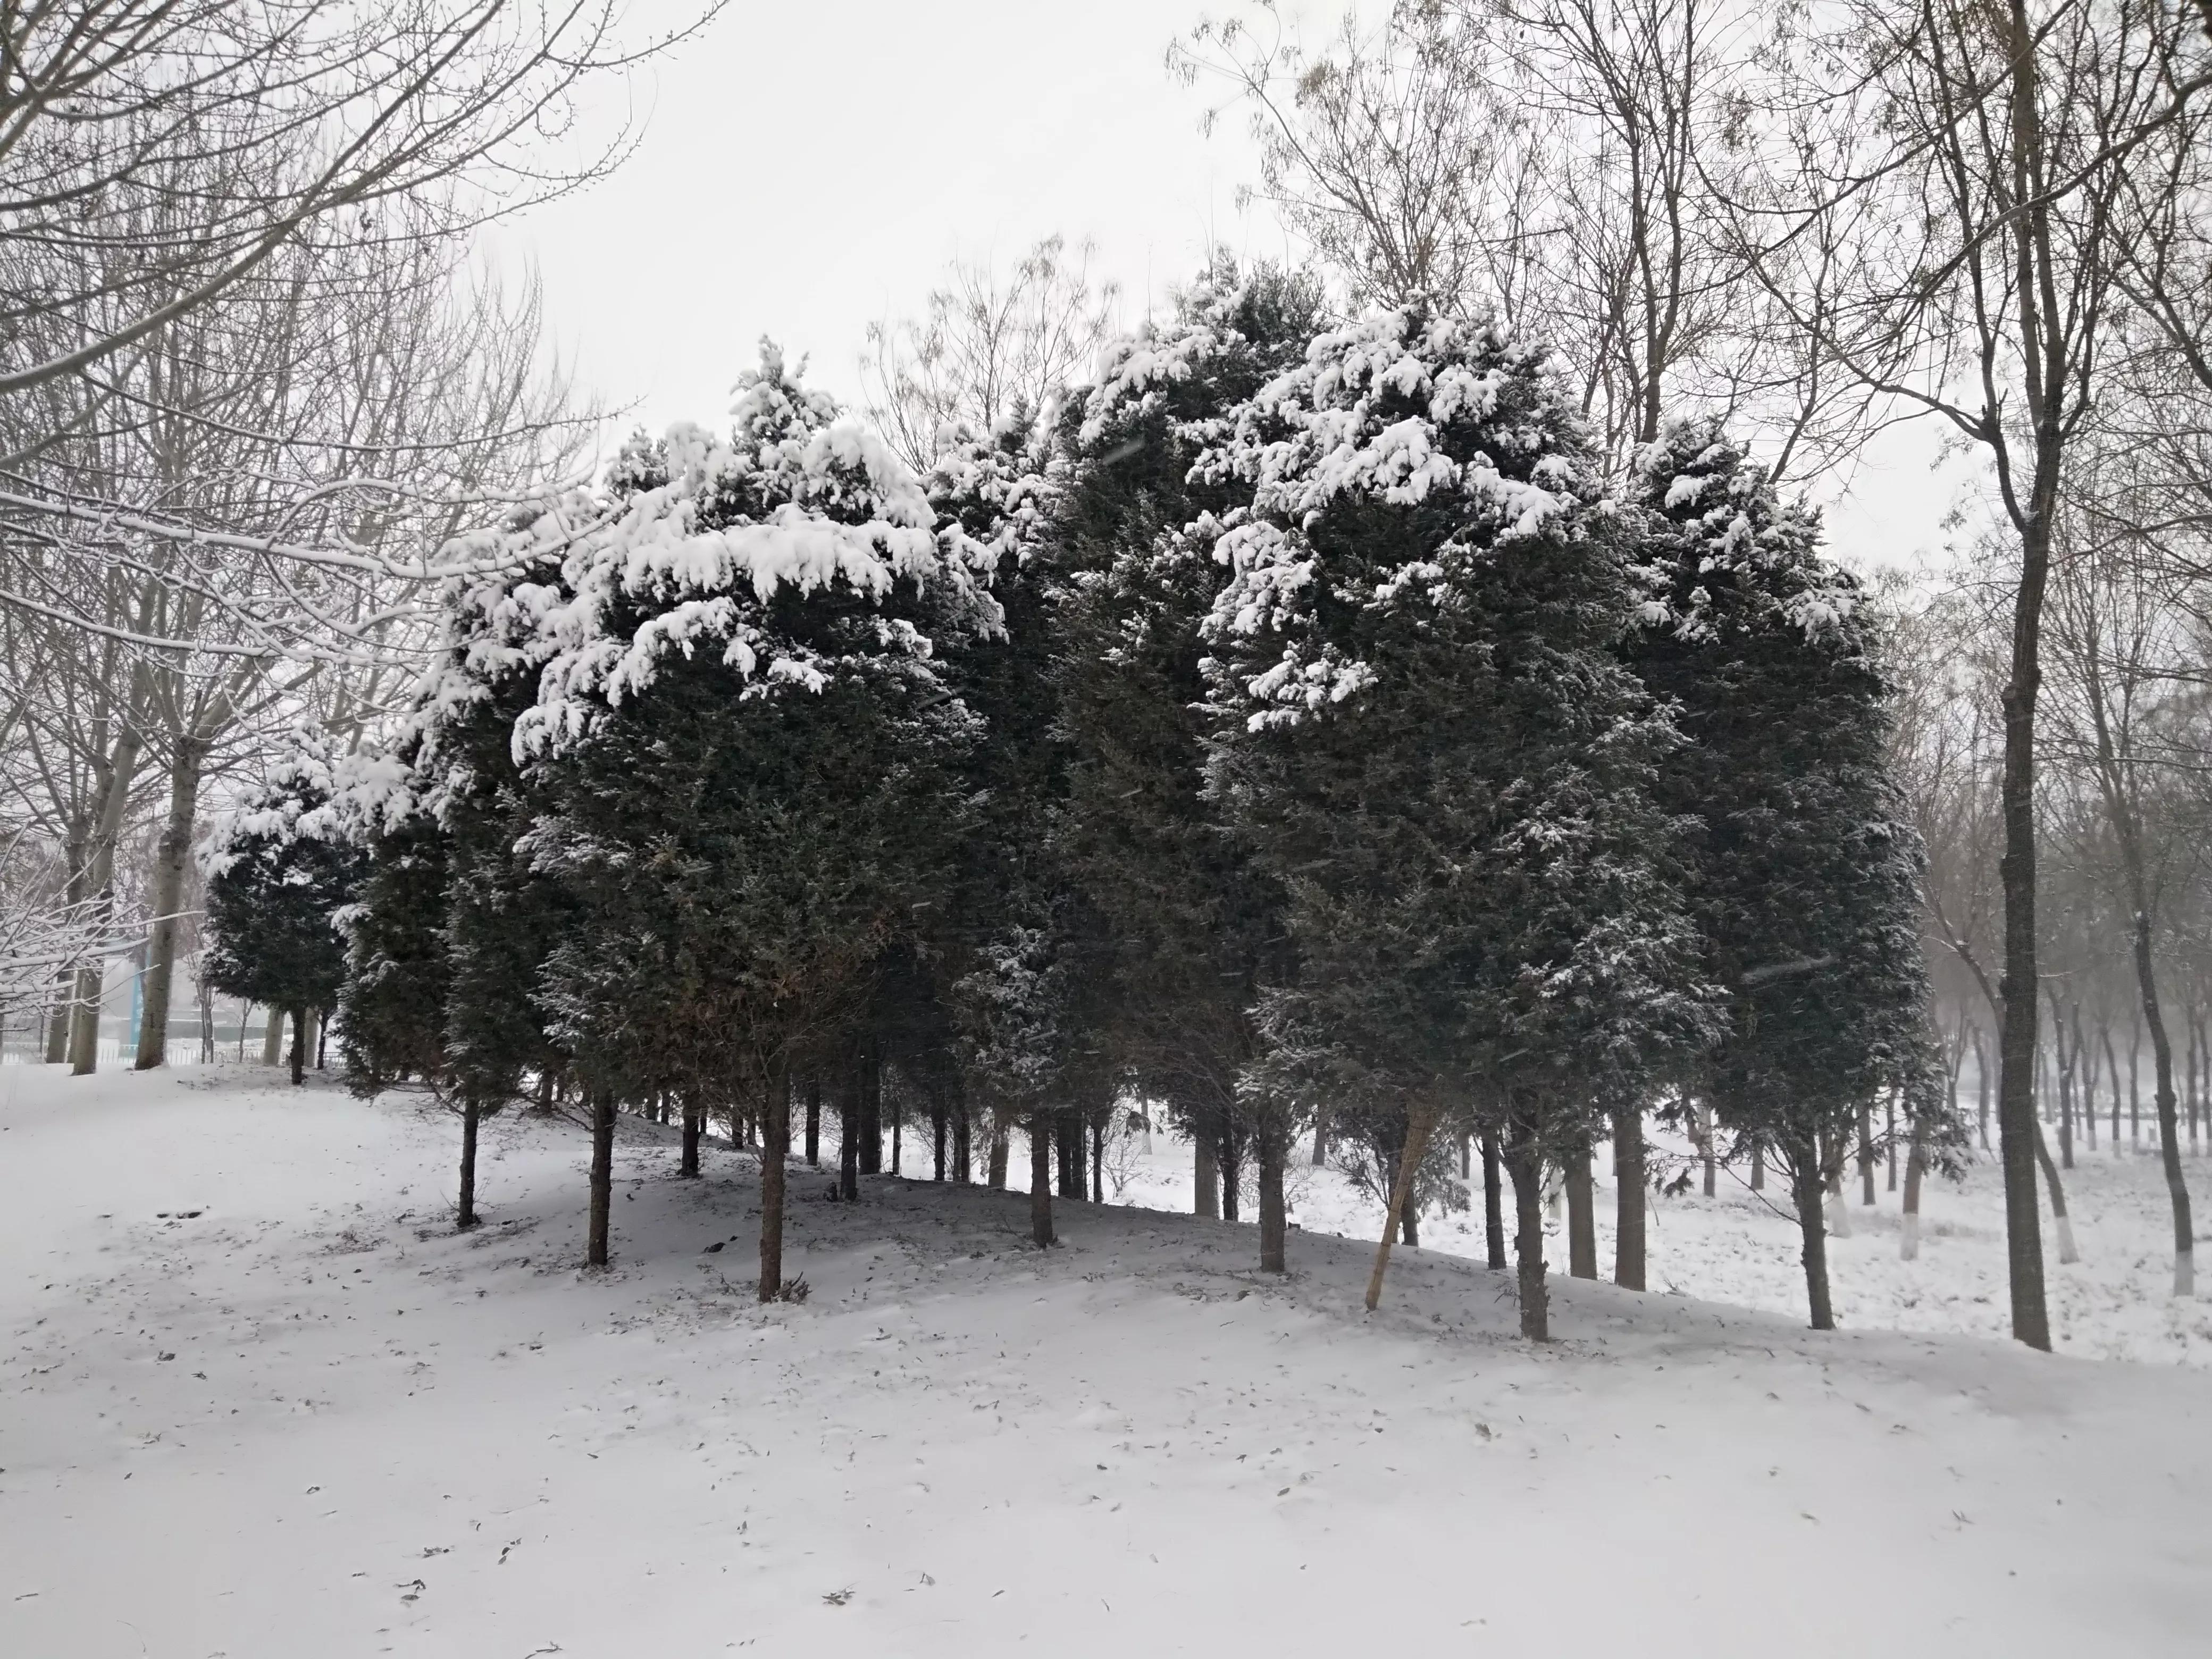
point(256, 1399)
point(1742, 1247)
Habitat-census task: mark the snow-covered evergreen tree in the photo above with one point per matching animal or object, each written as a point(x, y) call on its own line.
point(1427, 737)
point(1187, 925)
point(746, 749)
point(1806, 884)
point(281, 868)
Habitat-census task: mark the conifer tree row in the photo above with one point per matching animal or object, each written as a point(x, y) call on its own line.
point(1288, 729)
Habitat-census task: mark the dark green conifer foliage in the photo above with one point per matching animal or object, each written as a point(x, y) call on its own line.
point(274, 886)
point(392, 1004)
point(1806, 869)
point(751, 829)
point(1426, 734)
point(1178, 926)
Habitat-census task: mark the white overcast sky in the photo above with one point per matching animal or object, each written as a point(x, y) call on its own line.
point(811, 166)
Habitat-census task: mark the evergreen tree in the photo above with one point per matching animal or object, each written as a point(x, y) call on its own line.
point(746, 753)
point(1426, 734)
point(279, 871)
point(1806, 884)
point(1182, 925)
point(392, 1004)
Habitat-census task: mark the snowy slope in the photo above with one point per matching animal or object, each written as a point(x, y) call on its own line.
point(1742, 1247)
point(376, 1437)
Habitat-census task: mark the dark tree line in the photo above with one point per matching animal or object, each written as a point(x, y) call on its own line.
point(1293, 729)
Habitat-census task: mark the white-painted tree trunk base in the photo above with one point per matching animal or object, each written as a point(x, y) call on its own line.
point(1909, 1243)
point(2185, 1273)
point(2067, 1253)
point(1839, 1217)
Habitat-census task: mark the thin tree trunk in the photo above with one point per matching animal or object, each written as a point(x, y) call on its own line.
point(1582, 1217)
point(168, 898)
point(1525, 1165)
point(937, 1126)
point(1759, 1166)
point(1098, 1155)
point(1041, 1148)
point(2064, 1225)
point(695, 1121)
point(1629, 1197)
point(1273, 1149)
point(1420, 1123)
point(1982, 1089)
point(814, 1121)
point(774, 1158)
point(2018, 1136)
point(849, 1133)
point(2134, 1080)
point(2112, 1077)
point(1231, 1163)
point(1705, 1146)
point(1805, 1185)
point(872, 1109)
point(1889, 1139)
point(603, 1179)
point(299, 1046)
point(999, 1132)
point(464, 1216)
point(1866, 1153)
point(1915, 1167)
point(1205, 1173)
point(1320, 1137)
point(1493, 1203)
point(963, 1167)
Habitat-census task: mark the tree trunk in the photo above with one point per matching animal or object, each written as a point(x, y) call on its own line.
point(1889, 1139)
point(272, 1037)
point(1706, 1146)
point(1409, 1221)
point(871, 1110)
point(1866, 1153)
point(1098, 1155)
point(1582, 1217)
point(937, 1126)
point(1916, 1167)
point(1232, 1173)
point(1981, 1090)
point(2060, 1221)
point(1420, 1123)
point(1067, 1136)
point(1205, 1173)
point(814, 1121)
point(694, 1123)
point(299, 1046)
point(1493, 1204)
point(1274, 1215)
point(2161, 1050)
point(465, 1213)
point(84, 1019)
point(849, 1133)
point(603, 1179)
point(963, 1144)
point(168, 898)
point(1320, 1137)
point(120, 772)
point(1041, 1128)
point(2112, 1077)
point(775, 1157)
point(1759, 1166)
point(1807, 1183)
point(999, 1132)
point(2018, 1137)
point(1628, 1197)
point(1526, 1166)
